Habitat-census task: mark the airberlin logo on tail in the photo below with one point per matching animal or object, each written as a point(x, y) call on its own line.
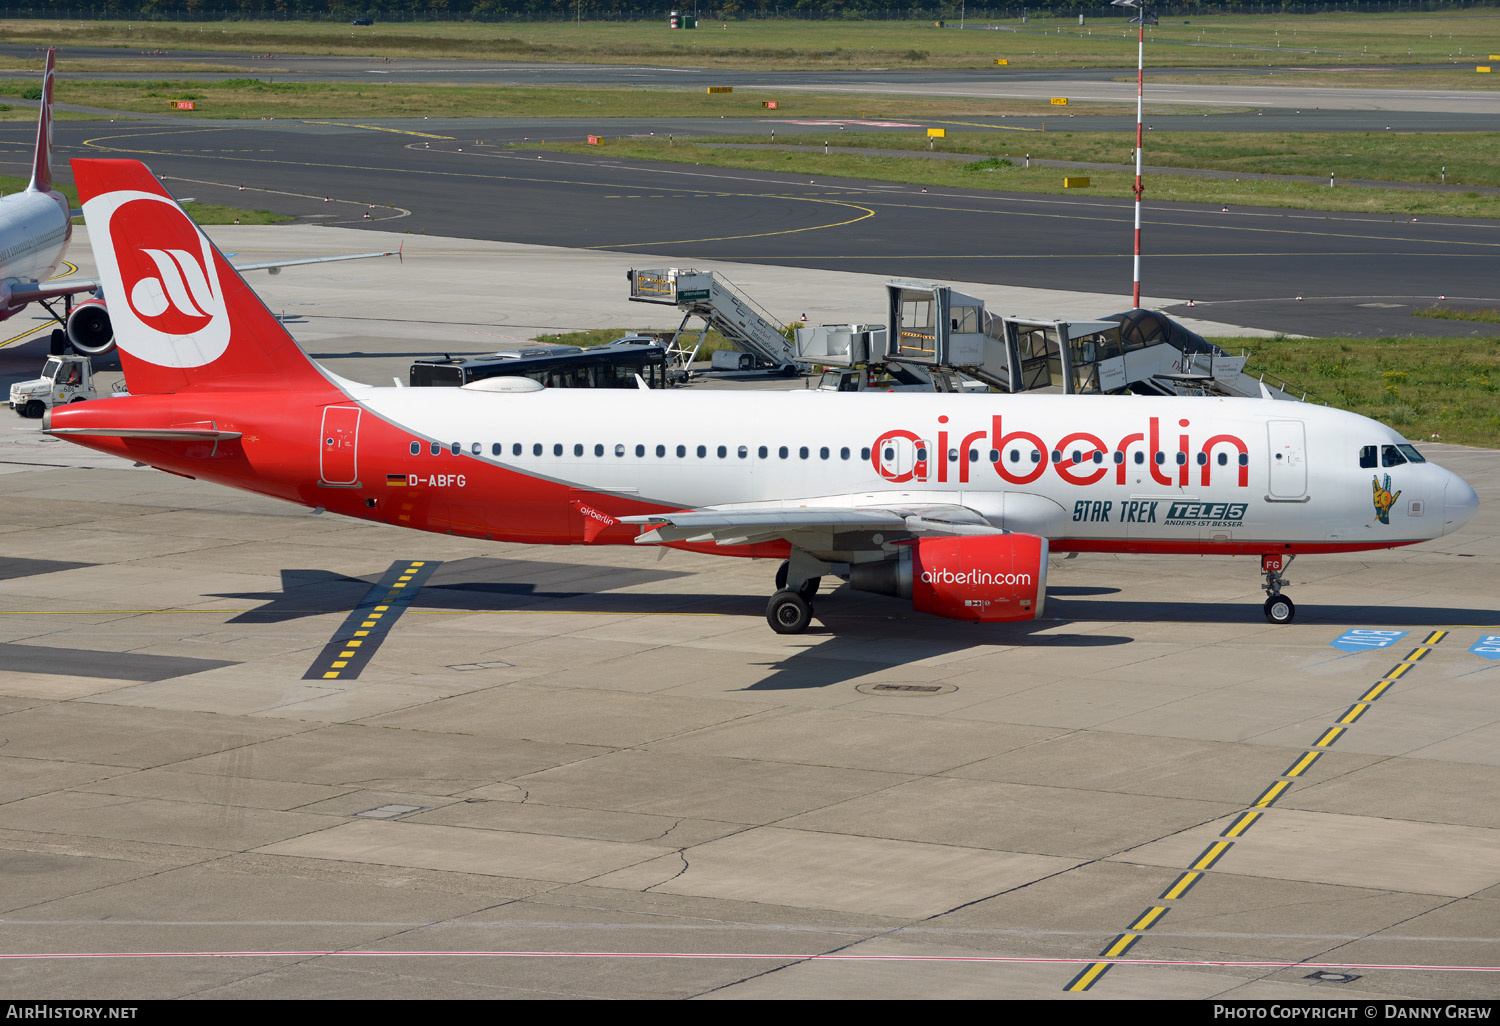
point(164, 268)
point(177, 299)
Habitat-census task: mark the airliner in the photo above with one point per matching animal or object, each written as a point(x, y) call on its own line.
point(35, 226)
point(952, 501)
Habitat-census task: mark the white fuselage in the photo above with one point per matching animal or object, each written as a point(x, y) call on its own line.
point(34, 232)
point(1123, 473)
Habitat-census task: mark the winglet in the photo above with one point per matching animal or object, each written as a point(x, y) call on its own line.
point(41, 165)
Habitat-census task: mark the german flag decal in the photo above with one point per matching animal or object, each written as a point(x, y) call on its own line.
point(395, 480)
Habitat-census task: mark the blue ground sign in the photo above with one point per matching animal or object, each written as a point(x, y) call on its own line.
point(1487, 646)
point(1363, 639)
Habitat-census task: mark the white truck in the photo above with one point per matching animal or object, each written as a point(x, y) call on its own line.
point(65, 379)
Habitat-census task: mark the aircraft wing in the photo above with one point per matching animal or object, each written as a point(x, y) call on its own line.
point(276, 265)
point(31, 291)
point(803, 524)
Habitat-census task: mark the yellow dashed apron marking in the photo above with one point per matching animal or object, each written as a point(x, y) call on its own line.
point(1183, 884)
point(1149, 919)
point(1212, 854)
point(361, 633)
point(1243, 823)
point(1302, 765)
point(1328, 738)
point(1354, 712)
point(1096, 970)
point(1269, 796)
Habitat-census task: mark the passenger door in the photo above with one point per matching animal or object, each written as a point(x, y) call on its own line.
point(1288, 460)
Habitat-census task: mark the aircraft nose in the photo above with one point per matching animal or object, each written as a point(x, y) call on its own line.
point(1460, 503)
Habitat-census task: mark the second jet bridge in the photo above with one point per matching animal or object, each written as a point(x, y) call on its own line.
point(942, 330)
point(937, 327)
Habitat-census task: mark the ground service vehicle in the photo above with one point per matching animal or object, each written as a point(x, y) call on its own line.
point(64, 379)
point(615, 365)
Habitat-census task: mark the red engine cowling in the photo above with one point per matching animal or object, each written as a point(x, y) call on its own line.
point(990, 578)
point(89, 328)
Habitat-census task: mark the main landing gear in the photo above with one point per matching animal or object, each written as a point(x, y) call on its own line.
point(790, 610)
point(1279, 608)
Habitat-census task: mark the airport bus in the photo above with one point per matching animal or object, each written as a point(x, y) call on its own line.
point(615, 365)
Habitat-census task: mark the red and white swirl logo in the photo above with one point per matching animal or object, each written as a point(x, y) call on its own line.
point(165, 282)
point(162, 280)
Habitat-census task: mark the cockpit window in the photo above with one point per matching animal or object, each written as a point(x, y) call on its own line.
point(1410, 452)
point(1390, 456)
point(1368, 457)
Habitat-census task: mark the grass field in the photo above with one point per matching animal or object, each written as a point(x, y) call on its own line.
point(1472, 158)
point(1000, 175)
point(252, 98)
point(1465, 78)
point(1217, 40)
point(1448, 387)
point(203, 213)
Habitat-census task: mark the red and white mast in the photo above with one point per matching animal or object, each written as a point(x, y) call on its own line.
point(1141, 19)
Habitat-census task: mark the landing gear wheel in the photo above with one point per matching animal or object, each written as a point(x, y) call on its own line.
point(58, 343)
point(788, 613)
point(1279, 609)
point(809, 587)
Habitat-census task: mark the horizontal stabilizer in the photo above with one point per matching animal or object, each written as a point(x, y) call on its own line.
point(165, 434)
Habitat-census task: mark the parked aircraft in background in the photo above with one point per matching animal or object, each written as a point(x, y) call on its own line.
point(35, 226)
point(953, 501)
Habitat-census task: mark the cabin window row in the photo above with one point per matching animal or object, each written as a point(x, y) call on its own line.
point(1080, 456)
point(806, 452)
point(621, 450)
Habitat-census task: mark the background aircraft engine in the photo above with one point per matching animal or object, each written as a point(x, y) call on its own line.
point(990, 578)
point(89, 330)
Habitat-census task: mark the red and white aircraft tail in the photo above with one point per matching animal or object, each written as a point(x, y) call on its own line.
point(183, 316)
point(41, 164)
point(950, 501)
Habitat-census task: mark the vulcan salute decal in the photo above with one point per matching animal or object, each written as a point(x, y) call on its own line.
point(1384, 498)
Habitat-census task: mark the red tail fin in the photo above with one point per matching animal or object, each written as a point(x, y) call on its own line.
point(183, 317)
point(41, 164)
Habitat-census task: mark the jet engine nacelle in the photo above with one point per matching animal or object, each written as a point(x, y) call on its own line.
point(88, 328)
point(990, 578)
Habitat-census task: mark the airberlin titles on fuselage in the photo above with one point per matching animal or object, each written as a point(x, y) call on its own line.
point(1079, 458)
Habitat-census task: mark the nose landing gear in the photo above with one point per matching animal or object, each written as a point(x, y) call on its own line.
point(1279, 608)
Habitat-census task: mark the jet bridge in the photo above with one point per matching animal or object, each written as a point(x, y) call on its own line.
point(938, 328)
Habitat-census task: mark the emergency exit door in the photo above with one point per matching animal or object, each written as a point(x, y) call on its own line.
point(339, 458)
